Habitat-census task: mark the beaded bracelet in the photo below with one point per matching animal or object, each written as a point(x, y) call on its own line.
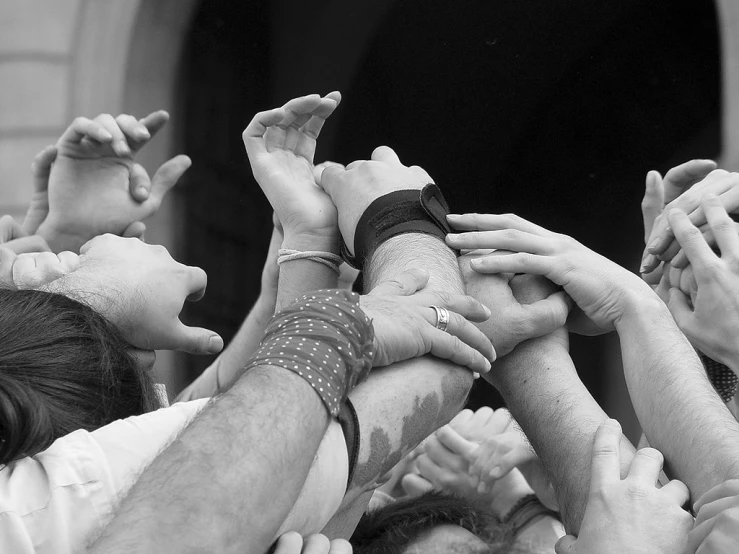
point(325, 338)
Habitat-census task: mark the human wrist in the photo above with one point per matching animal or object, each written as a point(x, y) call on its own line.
point(636, 305)
point(60, 239)
point(326, 241)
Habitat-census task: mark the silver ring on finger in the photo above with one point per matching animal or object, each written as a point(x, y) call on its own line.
point(442, 318)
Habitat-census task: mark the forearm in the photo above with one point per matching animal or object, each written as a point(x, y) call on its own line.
point(399, 406)
point(248, 455)
point(559, 416)
point(300, 276)
point(222, 373)
point(681, 414)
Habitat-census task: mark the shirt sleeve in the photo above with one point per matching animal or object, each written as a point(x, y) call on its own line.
point(56, 500)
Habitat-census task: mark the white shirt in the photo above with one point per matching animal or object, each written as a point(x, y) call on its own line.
point(57, 501)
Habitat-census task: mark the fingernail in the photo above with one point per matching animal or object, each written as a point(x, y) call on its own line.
point(143, 134)
point(482, 488)
point(495, 472)
point(106, 135)
point(123, 147)
point(452, 216)
point(476, 262)
point(488, 365)
point(142, 192)
point(215, 344)
point(488, 313)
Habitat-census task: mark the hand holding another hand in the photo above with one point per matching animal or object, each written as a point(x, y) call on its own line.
point(716, 528)
point(355, 187)
point(630, 515)
point(602, 289)
point(404, 323)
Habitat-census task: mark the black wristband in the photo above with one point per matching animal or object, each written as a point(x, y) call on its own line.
point(403, 211)
point(525, 511)
point(350, 427)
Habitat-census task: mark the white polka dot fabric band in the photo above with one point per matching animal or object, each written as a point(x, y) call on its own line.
point(722, 378)
point(326, 339)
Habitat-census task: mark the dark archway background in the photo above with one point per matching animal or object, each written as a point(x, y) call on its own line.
point(552, 110)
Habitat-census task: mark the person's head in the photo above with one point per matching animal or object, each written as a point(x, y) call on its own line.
point(433, 522)
point(63, 367)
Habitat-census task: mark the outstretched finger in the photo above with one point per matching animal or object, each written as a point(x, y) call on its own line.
point(728, 488)
point(443, 456)
point(605, 467)
point(41, 168)
point(508, 239)
point(722, 226)
point(119, 142)
point(296, 113)
point(166, 177)
point(253, 135)
point(653, 202)
point(136, 132)
point(691, 239)
point(495, 222)
point(682, 177)
point(312, 128)
point(453, 344)
point(515, 263)
point(154, 122)
point(403, 284)
point(82, 128)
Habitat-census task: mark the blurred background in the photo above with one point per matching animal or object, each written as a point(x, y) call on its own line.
point(552, 110)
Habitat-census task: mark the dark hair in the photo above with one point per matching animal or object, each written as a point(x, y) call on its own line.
point(63, 367)
point(393, 528)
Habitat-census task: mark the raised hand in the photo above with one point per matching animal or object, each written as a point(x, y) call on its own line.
point(710, 316)
point(630, 515)
point(600, 288)
point(716, 528)
point(355, 187)
point(404, 323)
point(281, 144)
point(662, 244)
point(514, 322)
point(95, 186)
point(141, 290)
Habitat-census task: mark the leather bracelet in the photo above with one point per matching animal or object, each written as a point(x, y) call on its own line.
point(524, 511)
point(403, 211)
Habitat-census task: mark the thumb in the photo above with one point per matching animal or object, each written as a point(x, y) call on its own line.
point(197, 340)
point(547, 315)
point(136, 230)
point(320, 168)
point(167, 176)
point(403, 284)
point(565, 545)
point(679, 308)
point(385, 154)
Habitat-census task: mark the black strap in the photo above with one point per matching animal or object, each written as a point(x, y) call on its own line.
point(350, 426)
point(402, 211)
